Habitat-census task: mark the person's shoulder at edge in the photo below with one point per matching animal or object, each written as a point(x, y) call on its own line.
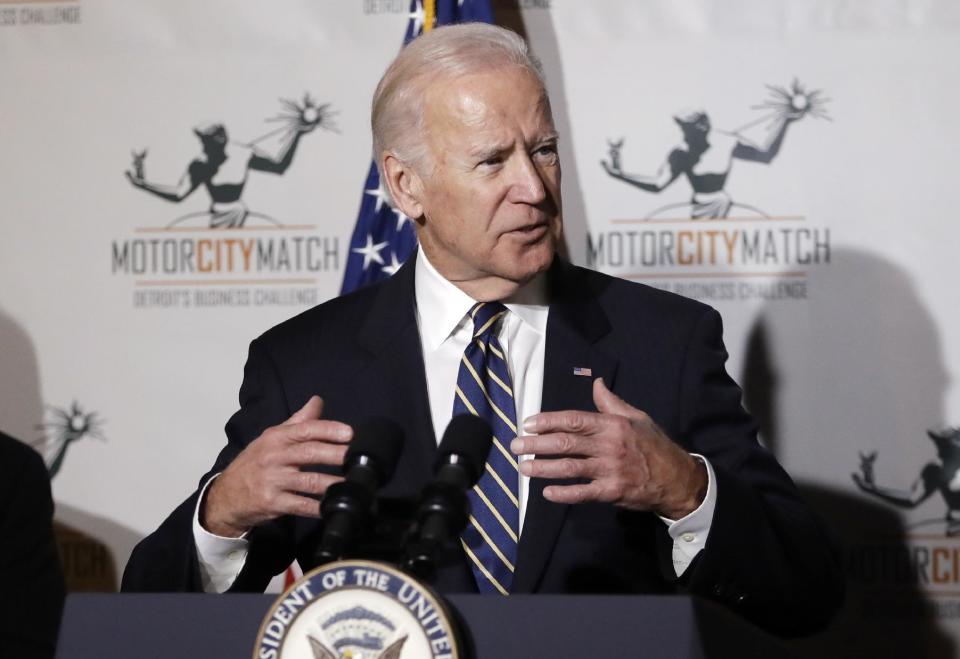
point(15, 456)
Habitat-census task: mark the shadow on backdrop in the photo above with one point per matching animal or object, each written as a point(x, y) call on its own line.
point(869, 359)
point(21, 405)
point(537, 28)
point(87, 543)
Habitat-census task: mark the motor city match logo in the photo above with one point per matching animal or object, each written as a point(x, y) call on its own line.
point(928, 554)
point(227, 254)
point(711, 246)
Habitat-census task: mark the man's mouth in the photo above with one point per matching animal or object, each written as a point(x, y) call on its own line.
point(530, 231)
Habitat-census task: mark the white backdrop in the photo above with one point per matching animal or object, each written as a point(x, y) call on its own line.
point(852, 351)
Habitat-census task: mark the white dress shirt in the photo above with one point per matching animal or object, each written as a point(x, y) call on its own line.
point(445, 331)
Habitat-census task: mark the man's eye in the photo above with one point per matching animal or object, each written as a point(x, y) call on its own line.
point(546, 152)
point(490, 162)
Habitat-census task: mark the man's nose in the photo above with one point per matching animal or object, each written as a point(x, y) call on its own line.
point(527, 185)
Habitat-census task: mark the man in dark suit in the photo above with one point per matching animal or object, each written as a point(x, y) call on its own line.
point(31, 581)
point(636, 469)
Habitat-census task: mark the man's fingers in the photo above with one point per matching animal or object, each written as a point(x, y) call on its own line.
point(309, 482)
point(319, 429)
point(609, 403)
point(614, 419)
point(288, 503)
point(312, 409)
point(561, 468)
point(557, 443)
point(316, 453)
point(579, 493)
point(573, 421)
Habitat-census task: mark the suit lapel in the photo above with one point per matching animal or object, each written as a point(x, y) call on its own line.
point(394, 379)
point(575, 326)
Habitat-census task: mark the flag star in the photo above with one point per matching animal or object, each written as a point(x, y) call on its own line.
point(370, 252)
point(380, 194)
point(394, 265)
point(401, 218)
point(418, 17)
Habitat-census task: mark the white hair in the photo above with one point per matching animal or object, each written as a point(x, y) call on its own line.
point(444, 52)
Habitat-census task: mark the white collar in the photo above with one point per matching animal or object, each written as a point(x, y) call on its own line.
point(441, 305)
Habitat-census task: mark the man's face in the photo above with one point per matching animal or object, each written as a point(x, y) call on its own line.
point(491, 204)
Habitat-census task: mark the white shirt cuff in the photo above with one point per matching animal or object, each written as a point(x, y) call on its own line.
point(220, 558)
point(690, 532)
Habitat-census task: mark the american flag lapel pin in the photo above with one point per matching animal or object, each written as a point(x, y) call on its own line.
point(582, 371)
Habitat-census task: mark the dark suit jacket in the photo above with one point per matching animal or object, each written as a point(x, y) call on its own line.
point(767, 555)
point(31, 581)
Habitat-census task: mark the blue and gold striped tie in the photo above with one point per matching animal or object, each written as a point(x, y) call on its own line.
point(484, 389)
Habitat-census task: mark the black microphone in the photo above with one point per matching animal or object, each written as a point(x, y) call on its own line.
point(444, 508)
point(370, 462)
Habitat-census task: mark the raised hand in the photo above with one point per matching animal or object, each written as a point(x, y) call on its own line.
point(266, 479)
point(625, 458)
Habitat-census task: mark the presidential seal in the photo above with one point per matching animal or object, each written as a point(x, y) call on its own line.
point(356, 610)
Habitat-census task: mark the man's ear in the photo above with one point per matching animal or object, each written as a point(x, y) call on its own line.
point(405, 185)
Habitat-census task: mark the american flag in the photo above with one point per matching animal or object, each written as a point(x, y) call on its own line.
point(383, 237)
point(580, 370)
